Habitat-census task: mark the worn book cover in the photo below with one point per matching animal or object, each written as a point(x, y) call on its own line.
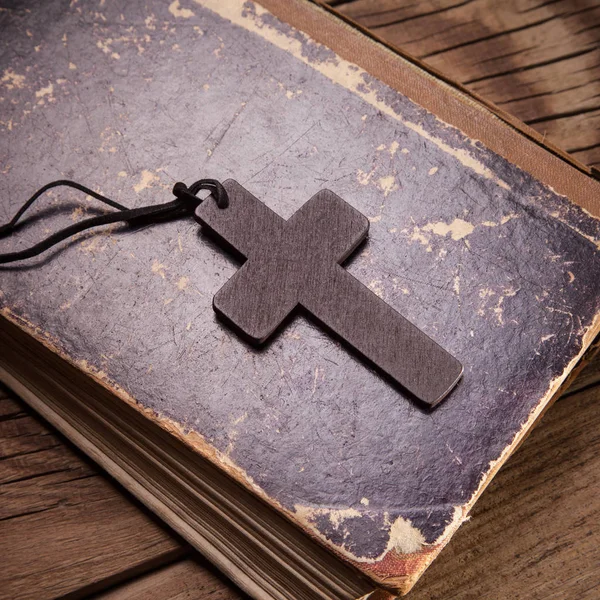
point(481, 236)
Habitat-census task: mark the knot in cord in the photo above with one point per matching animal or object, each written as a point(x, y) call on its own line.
point(181, 191)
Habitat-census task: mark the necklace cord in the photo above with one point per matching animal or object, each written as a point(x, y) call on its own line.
point(185, 202)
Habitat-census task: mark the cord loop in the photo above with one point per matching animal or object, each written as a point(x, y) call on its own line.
point(185, 202)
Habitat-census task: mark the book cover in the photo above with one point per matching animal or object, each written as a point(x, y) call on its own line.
point(480, 236)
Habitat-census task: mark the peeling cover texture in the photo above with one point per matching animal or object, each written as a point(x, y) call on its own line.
point(498, 268)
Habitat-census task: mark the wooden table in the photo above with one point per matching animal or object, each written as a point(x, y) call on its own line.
point(66, 529)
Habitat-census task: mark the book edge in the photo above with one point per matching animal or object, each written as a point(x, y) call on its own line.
point(448, 100)
point(555, 390)
point(394, 571)
point(97, 452)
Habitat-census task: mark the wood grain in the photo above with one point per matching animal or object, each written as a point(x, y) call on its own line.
point(588, 377)
point(537, 60)
point(185, 580)
point(68, 527)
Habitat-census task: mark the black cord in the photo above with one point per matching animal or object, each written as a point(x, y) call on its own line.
point(185, 202)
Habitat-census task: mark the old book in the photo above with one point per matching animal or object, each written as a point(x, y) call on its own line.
point(296, 468)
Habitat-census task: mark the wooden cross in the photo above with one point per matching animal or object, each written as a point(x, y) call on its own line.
point(297, 263)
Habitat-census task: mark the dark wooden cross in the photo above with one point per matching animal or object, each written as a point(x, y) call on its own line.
point(298, 263)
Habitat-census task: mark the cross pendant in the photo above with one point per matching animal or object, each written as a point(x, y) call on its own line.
point(297, 263)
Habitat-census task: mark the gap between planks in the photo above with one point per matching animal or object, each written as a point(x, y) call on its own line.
point(538, 60)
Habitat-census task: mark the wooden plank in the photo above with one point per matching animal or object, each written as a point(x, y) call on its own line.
point(22, 435)
point(542, 92)
point(185, 580)
point(80, 546)
point(67, 526)
point(43, 461)
point(471, 37)
point(375, 13)
point(533, 534)
point(589, 376)
point(589, 156)
point(9, 408)
point(584, 128)
point(524, 39)
point(30, 448)
point(538, 60)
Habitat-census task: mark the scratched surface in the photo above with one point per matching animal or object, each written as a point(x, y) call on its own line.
point(502, 272)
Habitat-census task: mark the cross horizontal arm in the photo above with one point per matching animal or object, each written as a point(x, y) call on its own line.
point(255, 302)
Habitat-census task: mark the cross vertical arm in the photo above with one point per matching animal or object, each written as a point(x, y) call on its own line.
point(382, 335)
point(244, 224)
